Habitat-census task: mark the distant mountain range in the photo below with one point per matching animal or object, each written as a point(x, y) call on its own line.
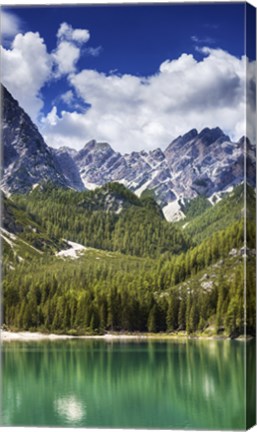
point(206, 163)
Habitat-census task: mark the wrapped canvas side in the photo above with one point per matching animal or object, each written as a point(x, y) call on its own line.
point(250, 215)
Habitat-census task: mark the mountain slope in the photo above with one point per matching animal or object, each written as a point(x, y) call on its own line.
point(69, 168)
point(110, 218)
point(23, 237)
point(27, 160)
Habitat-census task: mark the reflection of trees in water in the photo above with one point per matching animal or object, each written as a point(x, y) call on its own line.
point(152, 384)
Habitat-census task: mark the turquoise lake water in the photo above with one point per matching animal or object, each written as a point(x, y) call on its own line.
point(126, 384)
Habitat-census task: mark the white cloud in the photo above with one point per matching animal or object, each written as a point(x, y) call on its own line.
point(22, 75)
point(67, 97)
point(251, 101)
point(93, 51)
point(68, 51)
point(69, 125)
point(185, 61)
point(68, 33)
point(132, 113)
point(52, 117)
point(27, 65)
point(81, 36)
point(66, 57)
point(10, 24)
point(203, 40)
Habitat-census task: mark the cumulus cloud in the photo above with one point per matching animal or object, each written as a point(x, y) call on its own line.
point(66, 32)
point(133, 112)
point(10, 24)
point(251, 101)
point(68, 51)
point(27, 65)
point(68, 97)
point(69, 125)
point(66, 57)
point(22, 75)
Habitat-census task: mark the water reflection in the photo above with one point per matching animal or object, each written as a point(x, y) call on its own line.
point(70, 408)
point(194, 384)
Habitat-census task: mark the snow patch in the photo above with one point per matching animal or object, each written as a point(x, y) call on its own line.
point(172, 212)
point(8, 237)
point(140, 190)
point(233, 252)
point(124, 182)
point(207, 285)
point(119, 210)
point(8, 240)
point(90, 186)
point(185, 225)
point(11, 235)
point(73, 252)
point(217, 196)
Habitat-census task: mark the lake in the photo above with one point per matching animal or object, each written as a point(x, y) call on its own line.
point(126, 384)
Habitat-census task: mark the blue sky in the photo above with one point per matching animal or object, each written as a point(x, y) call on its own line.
point(122, 60)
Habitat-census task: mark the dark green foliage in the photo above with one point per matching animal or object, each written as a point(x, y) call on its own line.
point(148, 193)
point(215, 218)
point(18, 221)
point(195, 207)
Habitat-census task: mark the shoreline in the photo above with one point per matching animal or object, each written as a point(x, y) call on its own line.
point(8, 336)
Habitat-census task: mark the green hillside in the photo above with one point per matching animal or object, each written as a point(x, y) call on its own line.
point(110, 218)
point(214, 218)
point(136, 272)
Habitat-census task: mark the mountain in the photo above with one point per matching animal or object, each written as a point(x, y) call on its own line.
point(27, 160)
point(64, 157)
point(205, 163)
point(195, 164)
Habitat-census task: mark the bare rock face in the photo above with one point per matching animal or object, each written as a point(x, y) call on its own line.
point(27, 160)
point(194, 164)
point(205, 163)
point(64, 157)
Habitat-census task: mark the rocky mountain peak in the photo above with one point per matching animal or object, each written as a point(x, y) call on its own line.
point(157, 154)
point(181, 141)
point(93, 150)
point(244, 140)
point(27, 158)
point(209, 136)
point(96, 146)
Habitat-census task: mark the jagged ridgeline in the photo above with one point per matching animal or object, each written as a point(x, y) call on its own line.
point(157, 246)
